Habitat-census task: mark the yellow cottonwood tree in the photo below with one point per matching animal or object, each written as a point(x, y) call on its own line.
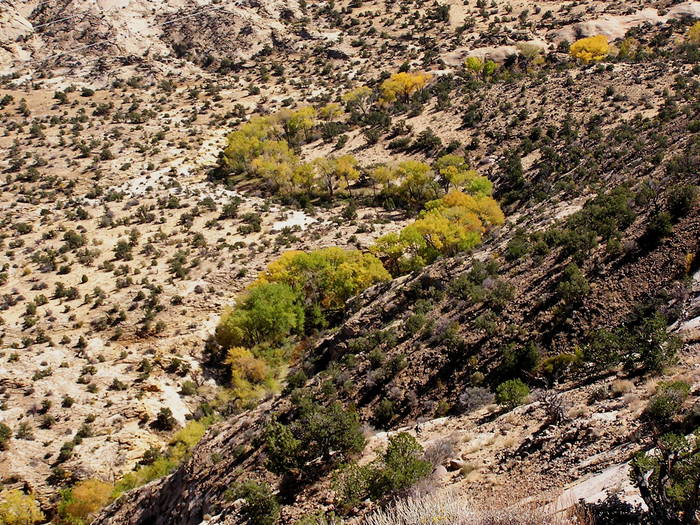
point(590, 49)
point(298, 122)
point(359, 98)
point(400, 86)
point(275, 163)
point(331, 111)
point(244, 365)
point(336, 173)
point(384, 175)
point(245, 144)
point(327, 277)
point(449, 225)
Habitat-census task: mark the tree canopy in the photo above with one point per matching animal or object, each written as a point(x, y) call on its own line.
point(590, 49)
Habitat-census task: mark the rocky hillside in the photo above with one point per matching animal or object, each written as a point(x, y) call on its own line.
point(128, 228)
point(422, 352)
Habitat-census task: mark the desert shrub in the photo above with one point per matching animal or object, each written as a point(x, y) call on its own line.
point(319, 518)
point(84, 500)
point(603, 216)
point(612, 511)
point(398, 468)
point(260, 506)
point(318, 432)
point(681, 199)
point(473, 398)
point(384, 413)
point(512, 393)
point(517, 247)
point(17, 508)
point(667, 401)
point(517, 360)
point(645, 343)
point(556, 366)
point(440, 450)
point(660, 225)
point(668, 477)
point(5, 436)
point(165, 419)
point(448, 508)
point(574, 286)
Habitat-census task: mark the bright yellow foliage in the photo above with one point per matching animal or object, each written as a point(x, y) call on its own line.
point(328, 276)
point(275, 164)
point(474, 64)
point(449, 225)
point(400, 86)
point(359, 98)
point(335, 173)
point(246, 143)
point(331, 111)
point(384, 175)
point(17, 508)
point(86, 499)
point(244, 365)
point(694, 33)
point(486, 208)
point(590, 49)
point(297, 122)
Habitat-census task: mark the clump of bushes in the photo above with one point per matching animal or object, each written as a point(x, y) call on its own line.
point(667, 401)
point(397, 469)
point(449, 225)
point(81, 502)
point(260, 507)
point(644, 343)
point(326, 433)
point(297, 294)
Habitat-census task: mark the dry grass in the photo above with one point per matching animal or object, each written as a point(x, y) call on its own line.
point(450, 509)
point(621, 387)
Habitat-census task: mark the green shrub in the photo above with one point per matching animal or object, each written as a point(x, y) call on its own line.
point(319, 432)
point(574, 286)
point(384, 413)
point(267, 313)
point(659, 226)
point(397, 469)
point(260, 506)
point(667, 401)
point(517, 247)
point(5, 436)
point(400, 467)
point(512, 393)
point(681, 199)
point(655, 347)
point(646, 344)
point(668, 477)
